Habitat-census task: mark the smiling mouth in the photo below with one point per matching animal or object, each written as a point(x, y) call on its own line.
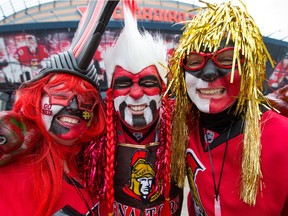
point(137, 109)
point(215, 93)
point(66, 120)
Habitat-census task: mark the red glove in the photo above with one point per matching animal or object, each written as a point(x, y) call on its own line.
point(279, 100)
point(16, 136)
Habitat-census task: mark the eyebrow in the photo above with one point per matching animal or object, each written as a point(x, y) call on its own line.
point(122, 78)
point(149, 77)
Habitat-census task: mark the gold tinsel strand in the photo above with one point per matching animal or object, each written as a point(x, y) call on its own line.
point(205, 32)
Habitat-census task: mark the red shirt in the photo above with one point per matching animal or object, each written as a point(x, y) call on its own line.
point(272, 201)
point(26, 57)
point(16, 193)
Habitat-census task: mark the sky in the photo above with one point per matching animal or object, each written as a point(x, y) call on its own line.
point(270, 15)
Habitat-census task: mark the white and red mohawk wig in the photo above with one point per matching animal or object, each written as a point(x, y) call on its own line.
point(135, 50)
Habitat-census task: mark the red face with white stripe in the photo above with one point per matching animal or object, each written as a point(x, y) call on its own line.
point(137, 96)
point(209, 86)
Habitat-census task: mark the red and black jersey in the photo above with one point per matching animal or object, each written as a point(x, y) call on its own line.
point(135, 172)
point(272, 200)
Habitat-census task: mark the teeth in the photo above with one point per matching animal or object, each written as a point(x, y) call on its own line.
point(212, 91)
point(69, 120)
point(137, 108)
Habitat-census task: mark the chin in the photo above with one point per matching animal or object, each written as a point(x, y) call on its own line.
point(65, 141)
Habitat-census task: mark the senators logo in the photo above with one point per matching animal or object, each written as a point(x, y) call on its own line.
point(194, 166)
point(142, 179)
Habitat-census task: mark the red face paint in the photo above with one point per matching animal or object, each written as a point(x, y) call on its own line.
point(146, 82)
point(214, 96)
point(137, 95)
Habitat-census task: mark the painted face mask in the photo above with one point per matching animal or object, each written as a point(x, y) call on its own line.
point(207, 77)
point(67, 113)
point(137, 96)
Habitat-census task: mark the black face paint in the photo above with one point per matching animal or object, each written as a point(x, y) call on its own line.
point(70, 110)
point(210, 72)
point(138, 120)
point(149, 81)
point(122, 82)
point(153, 106)
point(122, 107)
point(57, 128)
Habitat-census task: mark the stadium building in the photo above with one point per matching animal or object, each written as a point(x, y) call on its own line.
point(30, 35)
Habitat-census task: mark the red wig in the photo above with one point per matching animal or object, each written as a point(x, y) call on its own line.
point(47, 157)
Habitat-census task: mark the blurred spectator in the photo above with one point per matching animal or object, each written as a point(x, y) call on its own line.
point(279, 100)
point(279, 76)
point(59, 42)
point(10, 69)
point(32, 53)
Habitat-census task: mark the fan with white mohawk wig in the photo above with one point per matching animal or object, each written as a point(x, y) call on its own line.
point(136, 73)
point(141, 49)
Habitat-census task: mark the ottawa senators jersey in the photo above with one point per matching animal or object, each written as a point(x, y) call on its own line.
point(272, 200)
point(134, 182)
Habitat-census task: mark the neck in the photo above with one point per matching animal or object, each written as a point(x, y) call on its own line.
point(146, 134)
point(219, 122)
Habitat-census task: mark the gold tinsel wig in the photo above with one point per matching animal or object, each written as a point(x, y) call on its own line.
point(213, 24)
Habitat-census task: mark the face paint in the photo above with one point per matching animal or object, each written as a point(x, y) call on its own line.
point(66, 124)
point(223, 58)
point(137, 96)
point(210, 88)
point(60, 95)
point(141, 113)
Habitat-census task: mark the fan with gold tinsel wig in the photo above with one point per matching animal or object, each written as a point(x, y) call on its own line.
point(213, 24)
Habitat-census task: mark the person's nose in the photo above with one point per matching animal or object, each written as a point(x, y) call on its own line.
point(210, 72)
point(136, 91)
point(73, 105)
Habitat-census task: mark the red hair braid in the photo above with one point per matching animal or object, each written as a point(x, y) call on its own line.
point(166, 211)
point(162, 165)
point(160, 158)
point(110, 152)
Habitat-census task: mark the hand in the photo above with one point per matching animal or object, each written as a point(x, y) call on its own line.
point(279, 100)
point(16, 136)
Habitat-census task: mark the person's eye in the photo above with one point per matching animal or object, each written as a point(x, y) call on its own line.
point(194, 61)
point(149, 83)
point(122, 83)
point(59, 96)
point(225, 60)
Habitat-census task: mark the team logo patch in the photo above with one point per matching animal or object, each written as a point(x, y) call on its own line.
point(142, 179)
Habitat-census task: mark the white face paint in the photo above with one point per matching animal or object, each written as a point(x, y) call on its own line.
point(192, 83)
point(49, 111)
point(137, 107)
point(215, 96)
